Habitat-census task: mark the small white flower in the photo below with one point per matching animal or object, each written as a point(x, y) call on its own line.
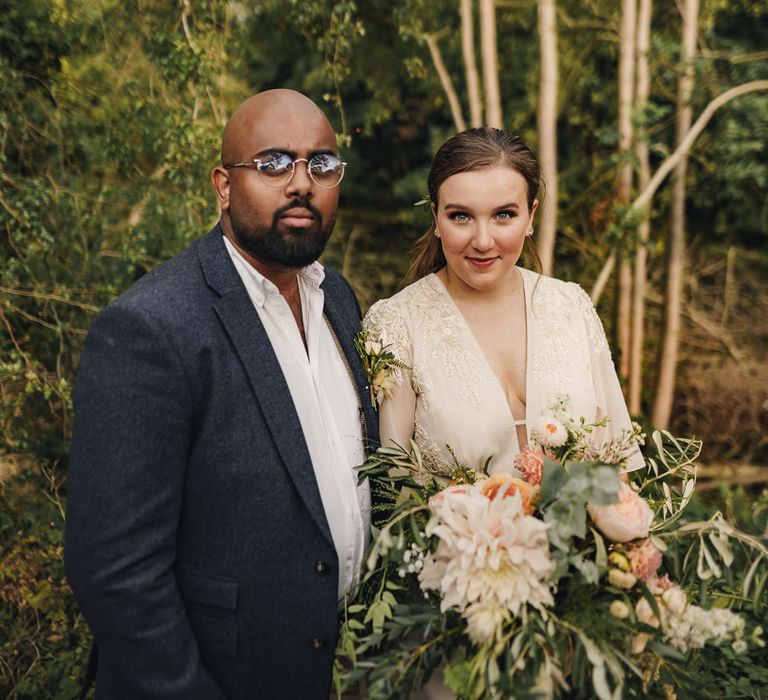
point(372, 347)
point(548, 431)
point(739, 646)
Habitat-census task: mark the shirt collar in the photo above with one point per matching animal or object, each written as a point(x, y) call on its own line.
point(261, 287)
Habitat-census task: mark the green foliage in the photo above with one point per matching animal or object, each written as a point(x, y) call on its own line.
point(44, 644)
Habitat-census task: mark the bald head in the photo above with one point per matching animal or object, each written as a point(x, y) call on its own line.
point(261, 115)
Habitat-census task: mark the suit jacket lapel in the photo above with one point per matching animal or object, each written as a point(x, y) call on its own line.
point(346, 327)
point(243, 325)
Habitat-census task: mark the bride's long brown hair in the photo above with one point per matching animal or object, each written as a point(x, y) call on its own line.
point(473, 149)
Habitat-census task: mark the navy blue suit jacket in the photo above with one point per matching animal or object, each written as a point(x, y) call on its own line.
point(196, 540)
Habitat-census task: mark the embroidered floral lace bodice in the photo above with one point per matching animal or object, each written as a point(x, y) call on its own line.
point(451, 398)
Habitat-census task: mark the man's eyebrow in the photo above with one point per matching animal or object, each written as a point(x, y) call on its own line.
point(293, 154)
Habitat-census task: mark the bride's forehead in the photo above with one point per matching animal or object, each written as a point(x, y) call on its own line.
point(484, 185)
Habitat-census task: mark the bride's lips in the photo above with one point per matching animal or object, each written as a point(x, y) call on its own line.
point(481, 263)
point(298, 218)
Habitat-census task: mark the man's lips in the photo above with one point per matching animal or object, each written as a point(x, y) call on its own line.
point(297, 218)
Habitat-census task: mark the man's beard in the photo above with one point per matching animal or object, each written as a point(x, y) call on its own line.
point(282, 245)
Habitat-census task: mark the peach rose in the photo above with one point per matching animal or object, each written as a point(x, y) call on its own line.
point(629, 519)
point(504, 484)
point(645, 558)
point(530, 463)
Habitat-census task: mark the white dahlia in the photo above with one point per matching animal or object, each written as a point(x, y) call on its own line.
point(490, 555)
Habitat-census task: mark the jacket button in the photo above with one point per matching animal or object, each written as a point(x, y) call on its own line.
point(318, 644)
point(321, 567)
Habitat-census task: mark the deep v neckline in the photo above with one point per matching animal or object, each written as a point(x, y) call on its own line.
point(480, 353)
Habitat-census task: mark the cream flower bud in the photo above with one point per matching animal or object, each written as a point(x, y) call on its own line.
point(645, 613)
point(619, 560)
point(619, 609)
point(639, 641)
point(739, 646)
point(621, 579)
point(674, 600)
point(372, 347)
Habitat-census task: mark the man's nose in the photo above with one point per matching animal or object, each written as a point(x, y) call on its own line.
point(301, 183)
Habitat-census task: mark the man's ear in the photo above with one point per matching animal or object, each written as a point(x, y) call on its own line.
point(221, 183)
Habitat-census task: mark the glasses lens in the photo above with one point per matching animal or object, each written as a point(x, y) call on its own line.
point(326, 170)
point(275, 168)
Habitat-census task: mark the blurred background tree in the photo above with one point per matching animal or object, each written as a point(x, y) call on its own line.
point(111, 114)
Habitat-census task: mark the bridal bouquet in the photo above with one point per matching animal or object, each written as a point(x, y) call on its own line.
point(573, 579)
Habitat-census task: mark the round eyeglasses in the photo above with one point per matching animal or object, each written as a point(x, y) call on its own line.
point(277, 169)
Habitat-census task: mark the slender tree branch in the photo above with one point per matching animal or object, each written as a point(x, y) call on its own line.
point(645, 197)
point(470, 65)
point(445, 79)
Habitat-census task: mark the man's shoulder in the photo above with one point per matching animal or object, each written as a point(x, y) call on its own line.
point(168, 288)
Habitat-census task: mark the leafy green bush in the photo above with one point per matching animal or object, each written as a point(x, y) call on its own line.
point(44, 641)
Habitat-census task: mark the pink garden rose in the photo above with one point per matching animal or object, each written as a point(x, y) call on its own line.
point(629, 519)
point(530, 463)
point(645, 558)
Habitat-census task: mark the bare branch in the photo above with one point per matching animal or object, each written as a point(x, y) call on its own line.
point(490, 64)
point(645, 197)
point(445, 80)
point(470, 65)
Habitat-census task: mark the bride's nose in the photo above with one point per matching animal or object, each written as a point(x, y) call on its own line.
point(482, 239)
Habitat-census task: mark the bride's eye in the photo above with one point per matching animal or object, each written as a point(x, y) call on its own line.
point(458, 216)
point(506, 215)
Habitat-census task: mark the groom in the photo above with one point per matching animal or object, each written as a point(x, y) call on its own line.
point(214, 520)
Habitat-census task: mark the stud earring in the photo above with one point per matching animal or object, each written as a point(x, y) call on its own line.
point(530, 232)
point(437, 232)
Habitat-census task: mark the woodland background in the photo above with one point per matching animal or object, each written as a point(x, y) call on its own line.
point(111, 115)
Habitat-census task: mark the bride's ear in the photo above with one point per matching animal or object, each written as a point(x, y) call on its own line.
point(534, 207)
point(433, 209)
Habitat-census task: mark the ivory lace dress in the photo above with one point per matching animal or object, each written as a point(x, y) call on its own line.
point(451, 397)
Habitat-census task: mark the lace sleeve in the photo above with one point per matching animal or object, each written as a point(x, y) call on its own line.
point(385, 322)
point(592, 322)
point(608, 395)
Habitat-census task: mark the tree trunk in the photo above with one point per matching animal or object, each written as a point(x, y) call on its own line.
point(547, 125)
point(643, 231)
point(490, 63)
point(665, 386)
point(624, 181)
point(445, 81)
point(470, 65)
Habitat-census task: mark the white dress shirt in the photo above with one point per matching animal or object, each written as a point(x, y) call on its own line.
point(326, 402)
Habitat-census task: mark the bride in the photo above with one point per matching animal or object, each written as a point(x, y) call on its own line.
point(490, 345)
